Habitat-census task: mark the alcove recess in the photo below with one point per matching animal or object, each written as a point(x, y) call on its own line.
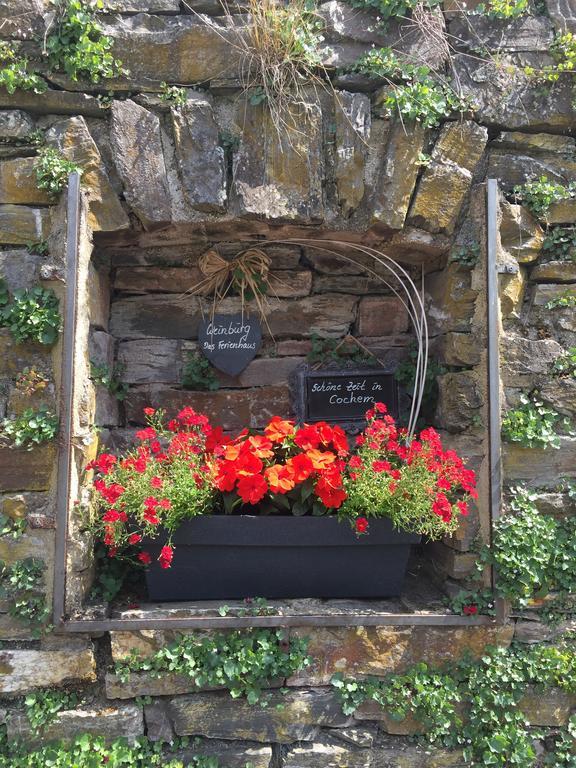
point(144, 326)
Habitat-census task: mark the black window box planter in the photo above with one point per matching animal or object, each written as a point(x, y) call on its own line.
point(227, 557)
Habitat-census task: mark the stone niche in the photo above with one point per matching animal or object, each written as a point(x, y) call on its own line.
point(144, 325)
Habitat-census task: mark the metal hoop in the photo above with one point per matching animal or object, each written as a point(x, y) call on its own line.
point(412, 301)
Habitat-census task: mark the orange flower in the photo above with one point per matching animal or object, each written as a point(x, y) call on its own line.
point(321, 459)
point(260, 446)
point(278, 429)
point(280, 479)
point(300, 467)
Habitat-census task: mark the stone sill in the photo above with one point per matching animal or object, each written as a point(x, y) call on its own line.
point(421, 603)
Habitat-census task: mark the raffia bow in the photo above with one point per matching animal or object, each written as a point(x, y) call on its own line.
point(249, 273)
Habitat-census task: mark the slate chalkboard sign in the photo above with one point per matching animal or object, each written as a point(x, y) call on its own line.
point(345, 396)
point(230, 342)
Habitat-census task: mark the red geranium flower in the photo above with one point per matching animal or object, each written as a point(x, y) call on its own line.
point(470, 610)
point(165, 558)
point(145, 558)
point(149, 411)
point(156, 482)
point(361, 525)
point(252, 489)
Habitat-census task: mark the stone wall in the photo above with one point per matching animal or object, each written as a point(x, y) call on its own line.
point(164, 184)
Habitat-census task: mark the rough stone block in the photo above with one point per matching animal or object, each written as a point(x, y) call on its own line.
point(537, 466)
point(231, 409)
point(143, 174)
point(22, 19)
point(231, 754)
point(382, 316)
point(98, 298)
point(521, 105)
point(101, 349)
point(74, 141)
point(398, 174)
point(161, 279)
point(25, 670)
point(158, 725)
point(157, 48)
point(563, 212)
point(511, 290)
point(145, 685)
point(107, 410)
point(521, 235)
point(123, 721)
point(140, 6)
point(18, 183)
point(524, 359)
point(554, 272)
point(447, 180)
point(551, 707)
point(22, 470)
point(263, 372)
point(279, 177)
point(19, 269)
point(352, 118)
point(15, 124)
point(455, 564)
point(295, 716)
point(199, 155)
point(146, 361)
point(20, 224)
point(378, 651)
point(459, 400)
point(460, 349)
point(165, 316)
point(327, 754)
point(560, 393)
point(450, 300)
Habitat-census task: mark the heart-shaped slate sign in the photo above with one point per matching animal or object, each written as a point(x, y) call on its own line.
point(230, 342)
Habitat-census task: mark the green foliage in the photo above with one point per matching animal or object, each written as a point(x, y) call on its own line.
point(173, 95)
point(112, 574)
point(31, 315)
point(52, 171)
point(470, 602)
point(88, 751)
point(415, 93)
point(243, 661)
point(76, 44)
point(504, 9)
point(13, 528)
point(38, 248)
point(533, 424)
point(111, 380)
point(565, 364)
point(21, 585)
point(563, 49)
point(336, 350)
point(560, 243)
point(30, 428)
point(15, 74)
point(466, 255)
point(405, 375)
point(426, 695)
point(198, 374)
point(539, 194)
point(494, 731)
point(564, 300)
point(389, 9)
point(534, 554)
point(564, 755)
point(43, 707)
